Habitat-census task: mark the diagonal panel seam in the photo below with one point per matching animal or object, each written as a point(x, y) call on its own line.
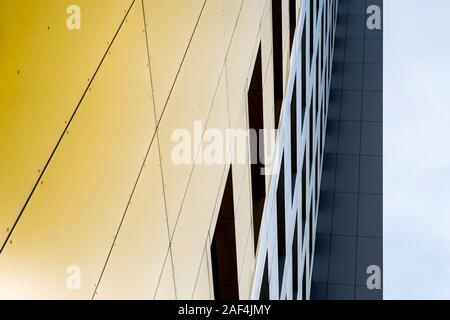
point(62, 135)
point(157, 121)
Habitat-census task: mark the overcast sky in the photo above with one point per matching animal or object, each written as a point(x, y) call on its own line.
point(416, 149)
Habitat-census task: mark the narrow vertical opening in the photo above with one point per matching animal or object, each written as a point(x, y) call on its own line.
point(292, 20)
point(311, 29)
point(325, 15)
point(322, 38)
point(304, 193)
point(317, 172)
point(281, 223)
point(311, 233)
point(330, 51)
point(277, 40)
point(317, 89)
point(322, 131)
point(223, 248)
point(304, 286)
point(311, 131)
point(303, 73)
point(295, 262)
point(294, 136)
point(256, 124)
point(264, 292)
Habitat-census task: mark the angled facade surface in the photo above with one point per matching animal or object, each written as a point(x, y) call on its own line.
point(118, 176)
point(285, 254)
point(349, 247)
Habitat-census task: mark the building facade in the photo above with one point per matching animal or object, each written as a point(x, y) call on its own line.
point(349, 247)
point(119, 178)
point(287, 237)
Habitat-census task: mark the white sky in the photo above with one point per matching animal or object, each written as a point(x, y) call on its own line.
point(416, 143)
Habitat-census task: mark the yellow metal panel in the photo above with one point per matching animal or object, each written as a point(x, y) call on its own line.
point(193, 225)
point(231, 10)
point(45, 68)
point(239, 168)
point(166, 289)
point(240, 172)
point(243, 49)
point(215, 213)
point(266, 38)
point(192, 99)
point(73, 217)
point(202, 290)
point(286, 64)
point(239, 114)
point(243, 218)
point(286, 42)
point(269, 119)
point(246, 274)
point(285, 22)
point(241, 158)
point(268, 97)
point(170, 27)
point(142, 244)
point(198, 208)
point(263, 6)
